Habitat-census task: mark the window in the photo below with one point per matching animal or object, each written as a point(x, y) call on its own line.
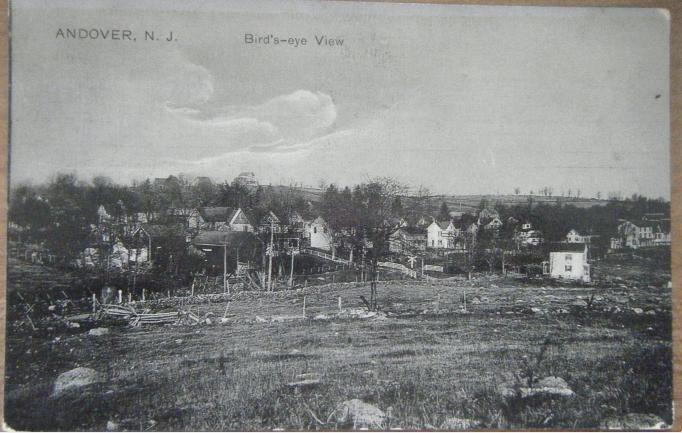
point(568, 268)
point(569, 257)
point(324, 229)
point(314, 229)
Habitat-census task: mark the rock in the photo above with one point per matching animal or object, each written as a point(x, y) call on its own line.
point(73, 325)
point(634, 421)
point(51, 308)
point(650, 313)
point(96, 332)
point(178, 341)
point(224, 320)
point(304, 384)
point(475, 301)
point(579, 303)
point(358, 414)
point(321, 317)
point(112, 426)
point(536, 310)
point(638, 311)
point(551, 386)
point(454, 423)
point(76, 378)
point(260, 319)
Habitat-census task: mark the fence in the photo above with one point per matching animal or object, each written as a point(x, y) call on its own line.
point(399, 267)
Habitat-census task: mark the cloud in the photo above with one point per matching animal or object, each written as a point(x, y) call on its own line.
point(280, 123)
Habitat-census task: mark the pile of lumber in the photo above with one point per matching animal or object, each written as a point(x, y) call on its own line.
point(135, 318)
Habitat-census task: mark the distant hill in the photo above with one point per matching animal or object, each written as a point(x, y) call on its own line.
point(471, 202)
point(464, 202)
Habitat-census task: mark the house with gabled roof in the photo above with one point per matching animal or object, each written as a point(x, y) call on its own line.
point(442, 234)
point(318, 234)
point(406, 240)
point(270, 222)
point(643, 233)
point(224, 218)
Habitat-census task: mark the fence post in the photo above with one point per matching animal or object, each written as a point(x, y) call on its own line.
point(143, 297)
point(304, 306)
point(120, 296)
point(339, 303)
point(130, 297)
point(94, 303)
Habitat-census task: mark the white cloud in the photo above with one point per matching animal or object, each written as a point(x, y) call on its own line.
point(285, 120)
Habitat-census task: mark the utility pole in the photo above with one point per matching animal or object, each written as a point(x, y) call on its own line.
point(291, 275)
point(270, 252)
point(225, 267)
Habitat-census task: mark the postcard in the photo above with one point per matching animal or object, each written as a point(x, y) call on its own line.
point(320, 215)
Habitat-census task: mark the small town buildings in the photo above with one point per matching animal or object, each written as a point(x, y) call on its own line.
point(224, 219)
point(270, 222)
point(569, 261)
point(644, 233)
point(318, 235)
point(528, 236)
point(442, 235)
point(189, 217)
point(406, 240)
point(575, 237)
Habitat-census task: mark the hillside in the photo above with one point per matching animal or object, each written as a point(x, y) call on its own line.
point(463, 202)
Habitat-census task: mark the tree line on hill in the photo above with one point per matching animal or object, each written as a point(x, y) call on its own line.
point(60, 212)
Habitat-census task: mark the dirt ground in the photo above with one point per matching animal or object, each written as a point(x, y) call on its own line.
point(435, 351)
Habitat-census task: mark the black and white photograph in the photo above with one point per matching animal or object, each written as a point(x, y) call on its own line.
point(309, 215)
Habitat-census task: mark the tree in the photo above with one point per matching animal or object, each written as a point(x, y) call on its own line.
point(444, 213)
point(380, 193)
point(69, 231)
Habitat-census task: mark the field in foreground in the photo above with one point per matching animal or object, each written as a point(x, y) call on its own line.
point(424, 361)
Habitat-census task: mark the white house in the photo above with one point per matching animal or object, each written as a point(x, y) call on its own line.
point(569, 261)
point(645, 233)
point(528, 236)
point(318, 234)
point(441, 234)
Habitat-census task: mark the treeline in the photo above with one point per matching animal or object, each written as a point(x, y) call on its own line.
point(60, 212)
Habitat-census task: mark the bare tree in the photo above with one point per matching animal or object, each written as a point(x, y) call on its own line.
point(380, 195)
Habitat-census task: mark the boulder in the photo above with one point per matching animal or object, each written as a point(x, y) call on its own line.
point(112, 426)
point(550, 386)
point(96, 332)
point(579, 303)
point(360, 415)
point(638, 311)
point(634, 421)
point(76, 378)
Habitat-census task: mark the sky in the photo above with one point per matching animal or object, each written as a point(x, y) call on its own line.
point(459, 99)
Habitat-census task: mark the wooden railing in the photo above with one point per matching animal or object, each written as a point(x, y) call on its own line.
point(325, 256)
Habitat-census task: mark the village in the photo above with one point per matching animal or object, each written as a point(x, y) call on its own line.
point(216, 274)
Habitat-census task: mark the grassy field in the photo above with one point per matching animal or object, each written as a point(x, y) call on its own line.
point(425, 358)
